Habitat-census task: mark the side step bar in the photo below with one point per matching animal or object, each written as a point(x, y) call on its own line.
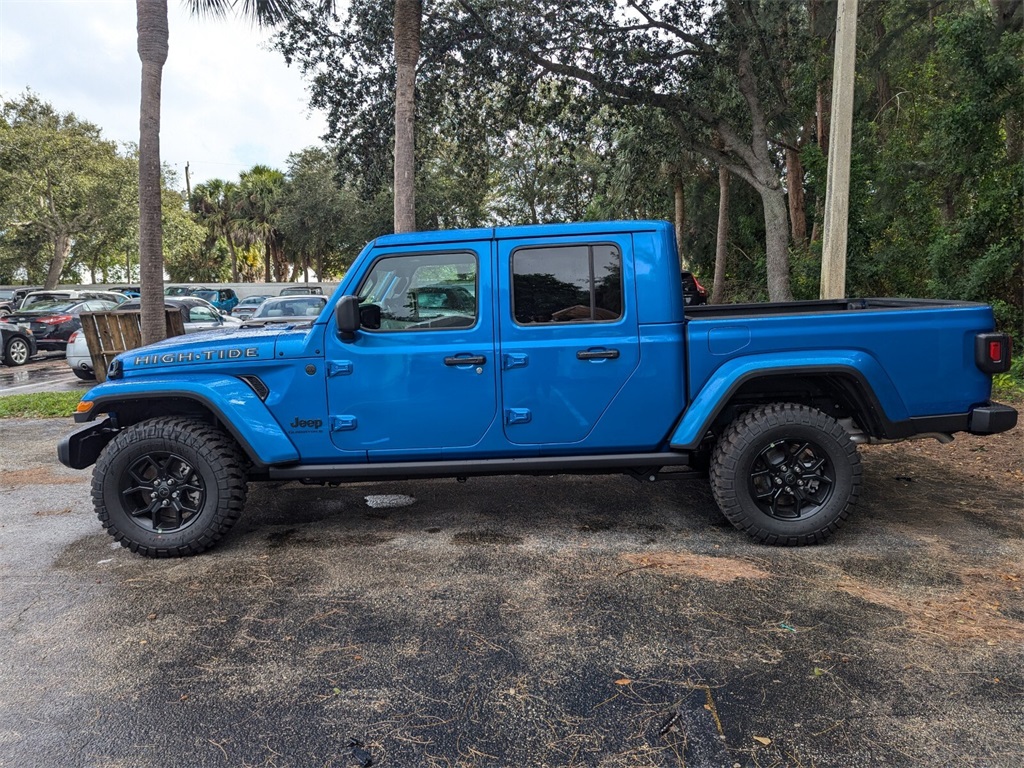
point(547, 465)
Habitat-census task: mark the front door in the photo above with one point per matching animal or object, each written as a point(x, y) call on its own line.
point(426, 379)
point(569, 336)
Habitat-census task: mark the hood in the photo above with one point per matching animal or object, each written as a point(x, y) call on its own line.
point(197, 351)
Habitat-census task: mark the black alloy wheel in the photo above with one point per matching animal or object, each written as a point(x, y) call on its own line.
point(162, 492)
point(791, 479)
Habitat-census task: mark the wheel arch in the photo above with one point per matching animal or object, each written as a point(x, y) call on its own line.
point(842, 391)
point(231, 405)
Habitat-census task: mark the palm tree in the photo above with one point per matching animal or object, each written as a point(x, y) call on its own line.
point(151, 17)
point(152, 44)
point(408, 18)
point(257, 212)
point(214, 204)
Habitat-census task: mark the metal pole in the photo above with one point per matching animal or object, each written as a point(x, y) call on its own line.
point(837, 189)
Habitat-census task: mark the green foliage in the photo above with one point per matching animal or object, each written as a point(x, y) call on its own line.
point(59, 181)
point(38, 405)
point(938, 186)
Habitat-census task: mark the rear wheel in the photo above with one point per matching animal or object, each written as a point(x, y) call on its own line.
point(84, 374)
point(786, 474)
point(16, 351)
point(169, 487)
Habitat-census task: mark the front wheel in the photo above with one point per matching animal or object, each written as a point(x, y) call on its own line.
point(16, 352)
point(786, 474)
point(169, 487)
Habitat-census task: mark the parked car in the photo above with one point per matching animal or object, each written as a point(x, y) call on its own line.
point(131, 291)
point(17, 344)
point(58, 294)
point(197, 315)
point(224, 299)
point(243, 310)
point(302, 290)
point(287, 309)
point(11, 298)
point(693, 292)
point(177, 290)
point(54, 321)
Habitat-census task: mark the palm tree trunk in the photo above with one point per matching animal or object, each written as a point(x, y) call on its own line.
point(152, 45)
point(408, 17)
point(234, 258)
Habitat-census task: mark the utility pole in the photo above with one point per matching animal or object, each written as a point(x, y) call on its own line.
point(837, 189)
point(188, 187)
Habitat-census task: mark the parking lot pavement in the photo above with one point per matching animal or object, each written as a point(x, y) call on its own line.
point(583, 621)
point(48, 372)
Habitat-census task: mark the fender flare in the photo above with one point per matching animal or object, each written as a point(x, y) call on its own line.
point(873, 381)
point(231, 400)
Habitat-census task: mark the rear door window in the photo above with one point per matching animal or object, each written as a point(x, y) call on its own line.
point(567, 284)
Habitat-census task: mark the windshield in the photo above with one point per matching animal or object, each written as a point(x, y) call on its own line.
point(208, 295)
point(41, 298)
point(298, 306)
point(51, 305)
point(6, 295)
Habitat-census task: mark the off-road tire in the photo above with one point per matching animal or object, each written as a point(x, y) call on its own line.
point(761, 458)
point(152, 459)
point(16, 351)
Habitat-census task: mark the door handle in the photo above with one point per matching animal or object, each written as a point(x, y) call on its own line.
point(474, 360)
point(597, 354)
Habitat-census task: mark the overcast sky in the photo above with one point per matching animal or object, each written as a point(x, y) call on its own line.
point(228, 102)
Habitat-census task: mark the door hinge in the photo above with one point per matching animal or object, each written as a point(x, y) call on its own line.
point(339, 368)
point(518, 416)
point(343, 423)
point(514, 360)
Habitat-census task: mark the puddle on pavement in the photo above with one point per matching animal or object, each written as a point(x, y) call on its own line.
point(40, 371)
point(389, 501)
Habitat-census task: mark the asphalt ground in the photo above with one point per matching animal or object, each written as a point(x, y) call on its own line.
point(46, 372)
point(519, 621)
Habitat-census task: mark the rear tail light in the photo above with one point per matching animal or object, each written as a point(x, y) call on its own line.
point(992, 352)
point(53, 319)
point(700, 287)
point(72, 337)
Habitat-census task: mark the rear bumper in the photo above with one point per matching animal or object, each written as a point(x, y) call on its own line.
point(993, 418)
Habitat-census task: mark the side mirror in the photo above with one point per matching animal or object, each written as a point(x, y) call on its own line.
point(346, 316)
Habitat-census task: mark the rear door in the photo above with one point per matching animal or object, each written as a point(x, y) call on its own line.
point(568, 335)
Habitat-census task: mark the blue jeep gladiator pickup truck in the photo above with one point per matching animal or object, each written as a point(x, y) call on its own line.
point(543, 350)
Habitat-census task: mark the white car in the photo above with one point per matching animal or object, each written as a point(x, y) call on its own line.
point(199, 315)
point(37, 297)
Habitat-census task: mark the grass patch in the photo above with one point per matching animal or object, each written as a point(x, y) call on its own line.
point(40, 404)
